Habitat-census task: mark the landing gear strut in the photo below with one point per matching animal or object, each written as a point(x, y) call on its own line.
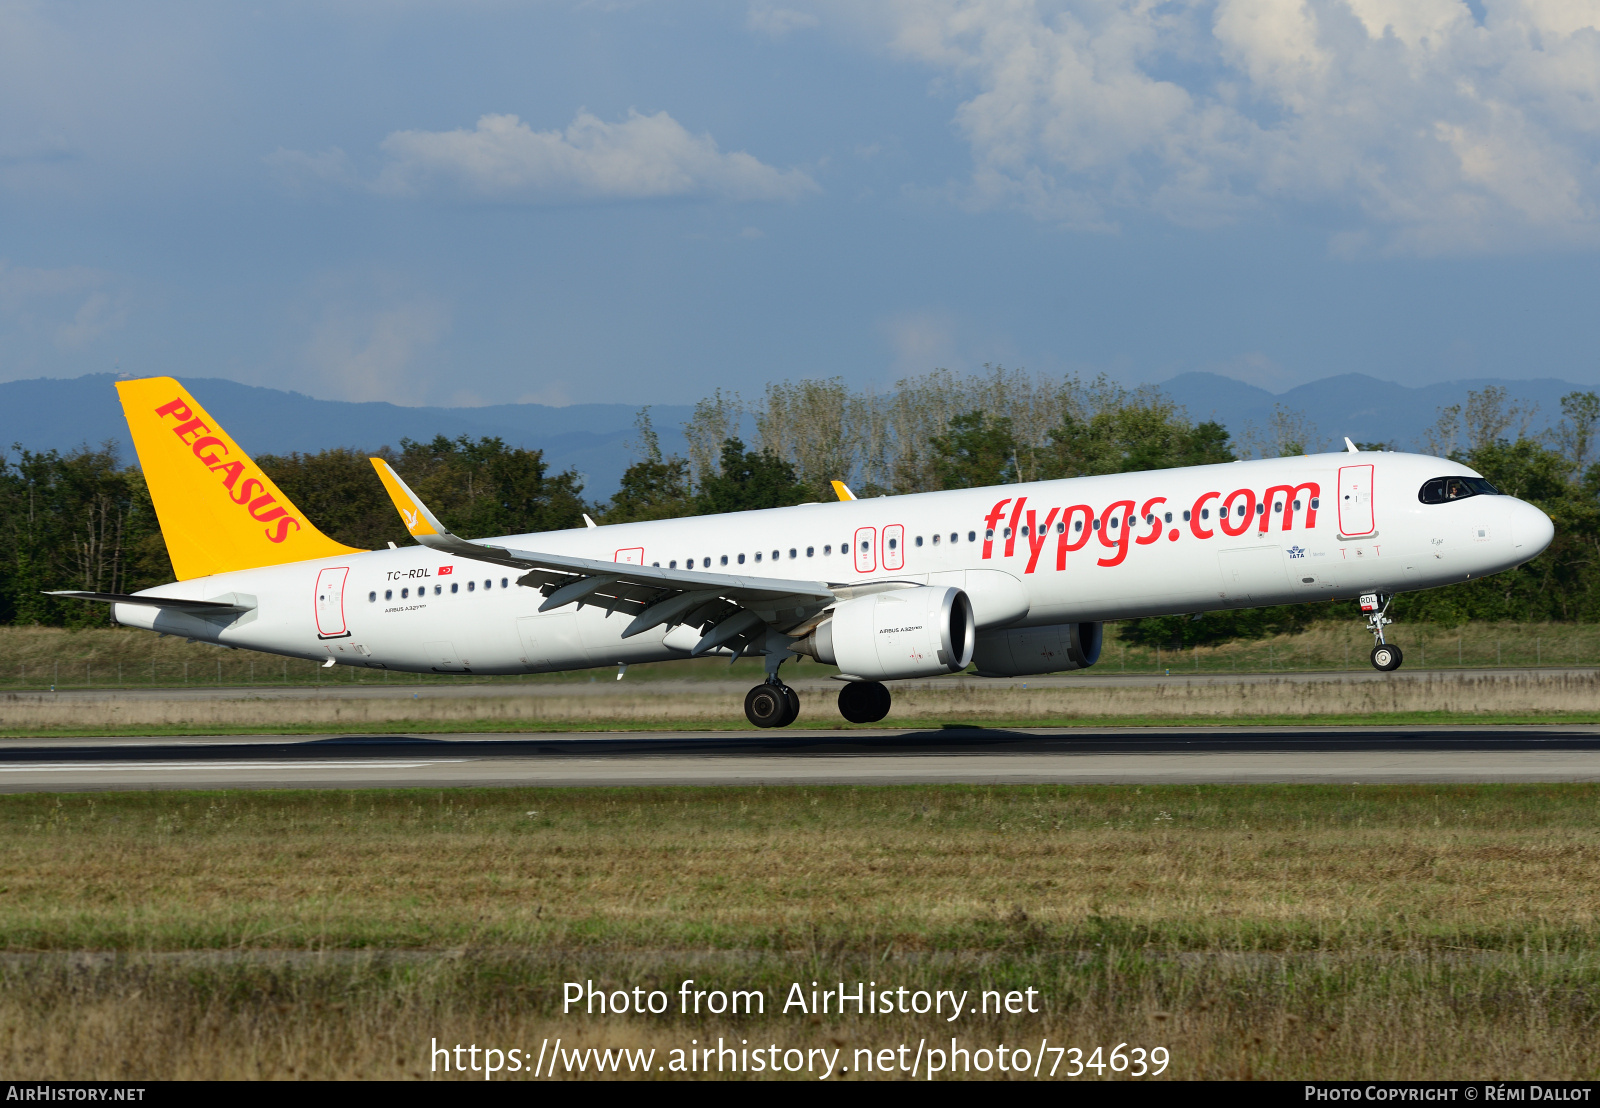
point(864, 701)
point(1386, 657)
point(772, 703)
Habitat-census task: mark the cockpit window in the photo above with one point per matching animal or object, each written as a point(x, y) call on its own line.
point(1441, 489)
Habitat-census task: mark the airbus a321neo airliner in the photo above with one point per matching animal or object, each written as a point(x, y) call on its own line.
point(1016, 579)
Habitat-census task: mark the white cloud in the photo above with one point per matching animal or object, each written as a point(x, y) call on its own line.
point(303, 173)
point(73, 304)
point(1434, 132)
point(371, 354)
point(641, 157)
point(777, 22)
point(920, 341)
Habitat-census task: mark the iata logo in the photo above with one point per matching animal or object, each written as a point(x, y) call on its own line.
point(1296, 552)
point(263, 508)
point(1117, 525)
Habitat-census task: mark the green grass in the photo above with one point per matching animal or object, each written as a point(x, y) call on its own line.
point(1289, 932)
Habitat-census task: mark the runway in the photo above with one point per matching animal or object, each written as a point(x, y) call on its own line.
point(951, 755)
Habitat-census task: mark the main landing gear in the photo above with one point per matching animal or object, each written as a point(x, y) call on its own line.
point(864, 701)
point(772, 704)
point(1386, 657)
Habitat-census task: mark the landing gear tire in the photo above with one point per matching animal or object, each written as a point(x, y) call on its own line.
point(771, 705)
point(1386, 657)
point(864, 701)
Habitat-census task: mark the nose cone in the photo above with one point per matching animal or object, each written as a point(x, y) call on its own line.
point(1531, 530)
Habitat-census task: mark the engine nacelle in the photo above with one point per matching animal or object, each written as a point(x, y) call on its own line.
point(917, 632)
point(1023, 650)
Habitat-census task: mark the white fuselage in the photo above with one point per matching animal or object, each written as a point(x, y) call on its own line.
point(1048, 552)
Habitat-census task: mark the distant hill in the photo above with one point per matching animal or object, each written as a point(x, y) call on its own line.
point(594, 439)
point(1364, 408)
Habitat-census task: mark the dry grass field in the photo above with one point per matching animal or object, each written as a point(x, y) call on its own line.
point(1442, 698)
point(1274, 931)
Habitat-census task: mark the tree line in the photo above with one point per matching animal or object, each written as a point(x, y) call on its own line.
point(84, 520)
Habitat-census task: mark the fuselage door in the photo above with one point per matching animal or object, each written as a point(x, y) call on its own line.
point(633, 556)
point(894, 547)
point(1355, 500)
point(330, 603)
point(866, 555)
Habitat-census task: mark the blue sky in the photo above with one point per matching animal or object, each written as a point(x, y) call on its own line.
point(462, 203)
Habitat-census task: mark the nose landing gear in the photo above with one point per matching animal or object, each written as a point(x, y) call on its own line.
point(1386, 657)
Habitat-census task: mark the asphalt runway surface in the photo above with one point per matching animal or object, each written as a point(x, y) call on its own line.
point(792, 757)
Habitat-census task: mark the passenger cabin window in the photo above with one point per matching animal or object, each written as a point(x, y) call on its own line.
point(1441, 489)
point(972, 536)
point(372, 598)
point(455, 586)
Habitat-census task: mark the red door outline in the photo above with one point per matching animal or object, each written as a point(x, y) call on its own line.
point(865, 549)
point(894, 547)
point(631, 555)
point(1356, 516)
point(329, 603)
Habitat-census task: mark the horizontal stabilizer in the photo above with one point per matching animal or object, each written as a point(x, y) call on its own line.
point(158, 601)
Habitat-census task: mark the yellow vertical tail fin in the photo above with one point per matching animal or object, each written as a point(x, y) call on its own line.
point(218, 510)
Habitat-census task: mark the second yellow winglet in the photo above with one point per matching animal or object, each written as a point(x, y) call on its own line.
point(413, 512)
point(842, 491)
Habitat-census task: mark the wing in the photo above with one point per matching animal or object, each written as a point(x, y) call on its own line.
point(732, 611)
